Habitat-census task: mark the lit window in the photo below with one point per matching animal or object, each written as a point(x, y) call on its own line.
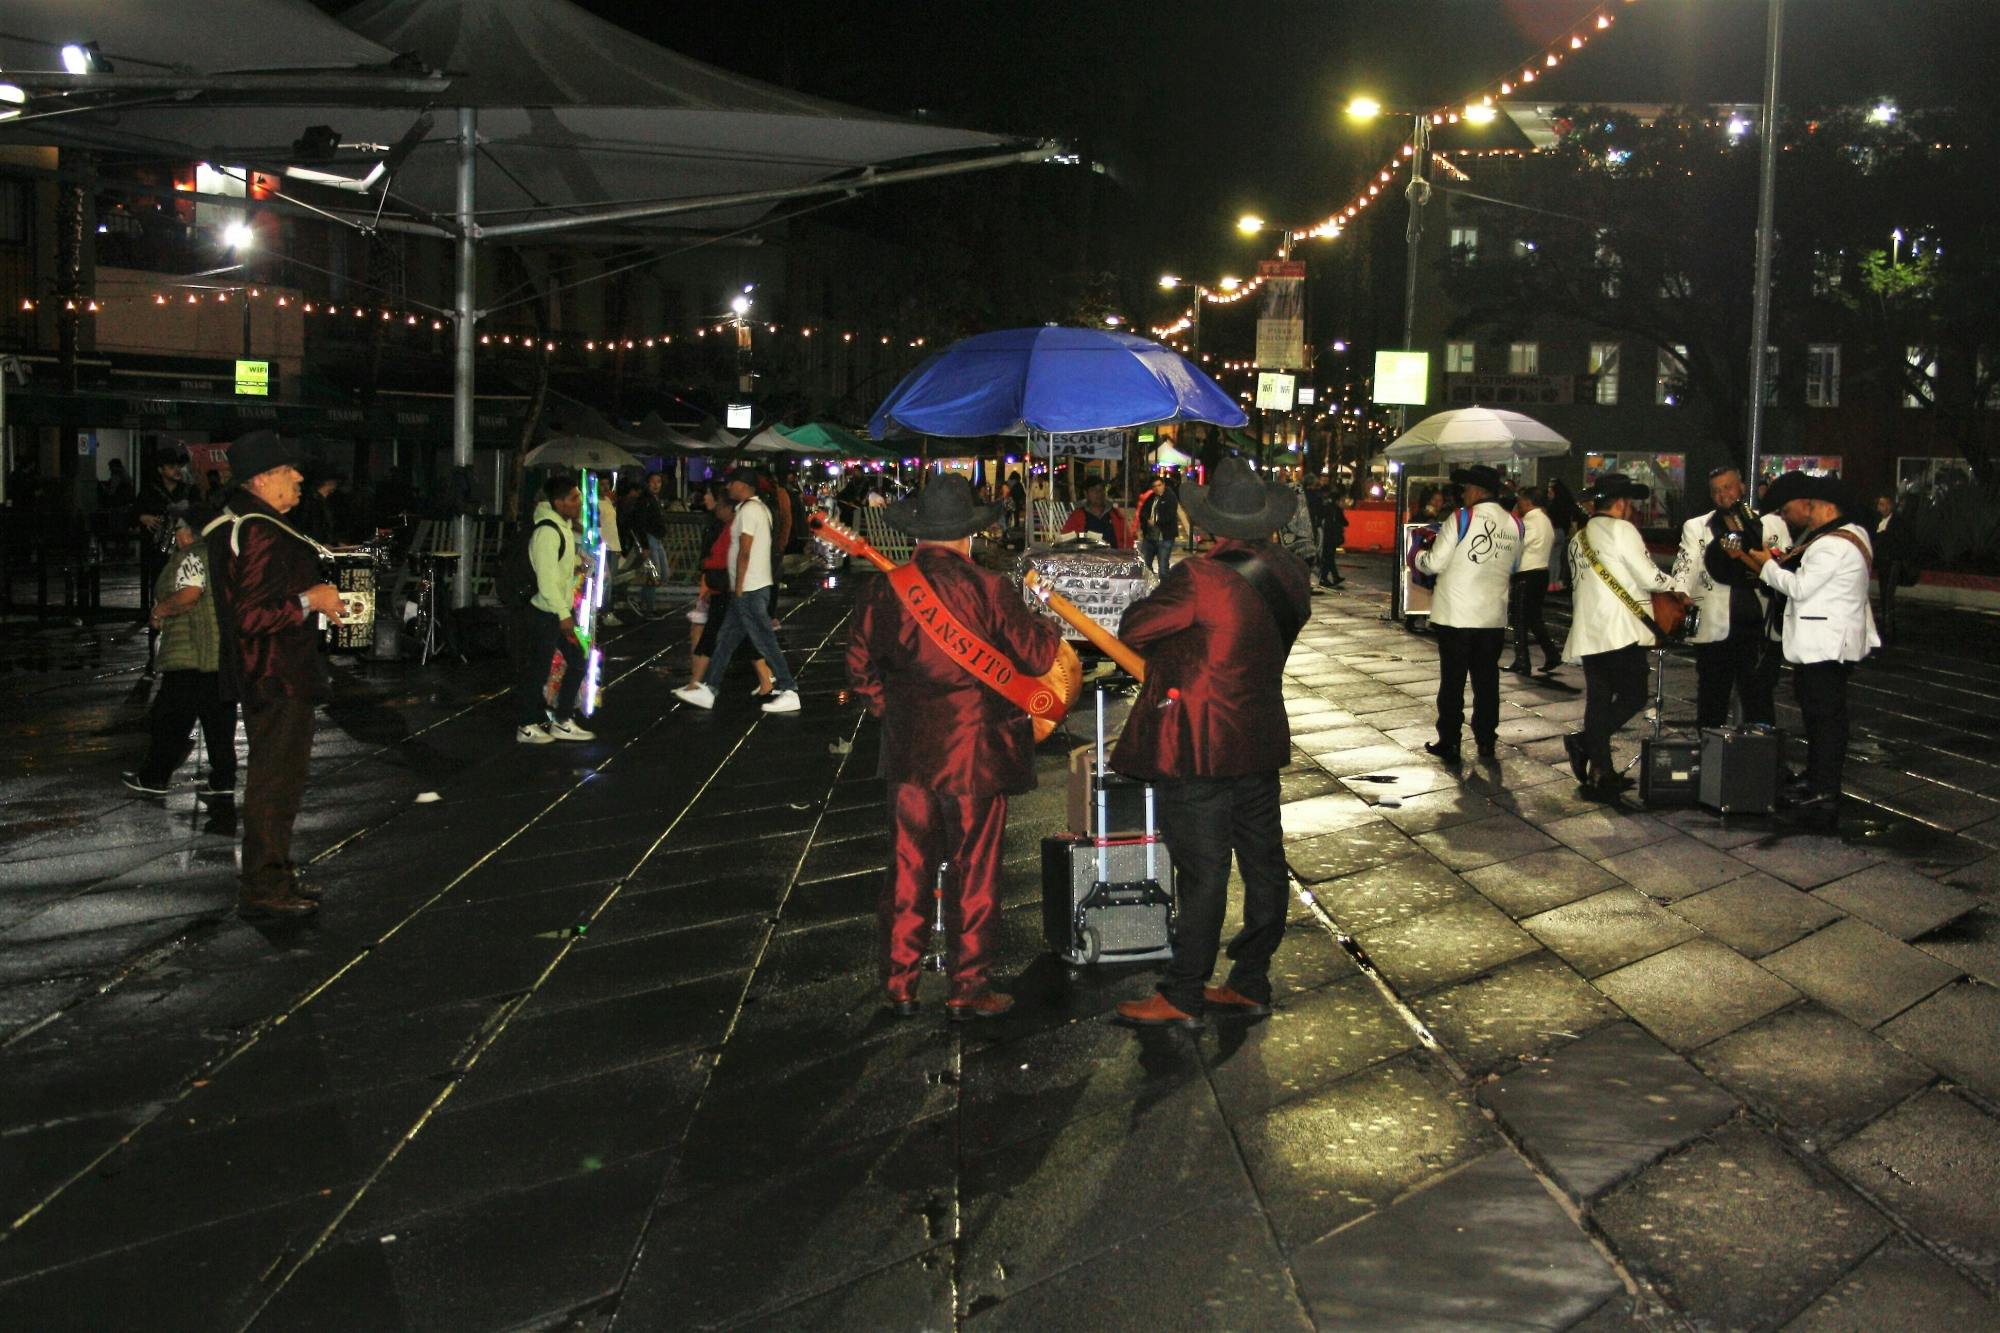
point(1922, 376)
point(1458, 358)
point(1524, 358)
point(1826, 271)
point(1604, 365)
point(1823, 375)
point(1608, 264)
point(1465, 243)
point(1671, 378)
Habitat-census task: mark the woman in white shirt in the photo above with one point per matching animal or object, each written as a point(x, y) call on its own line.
point(1611, 573)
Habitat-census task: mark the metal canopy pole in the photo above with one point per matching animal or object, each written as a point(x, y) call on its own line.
point(1418, 193)
point(1767, 196)
point(465, 321)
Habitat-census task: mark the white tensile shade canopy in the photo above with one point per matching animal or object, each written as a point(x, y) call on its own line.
point(545, 121)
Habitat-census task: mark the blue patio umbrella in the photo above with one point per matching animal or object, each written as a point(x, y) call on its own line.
point(1052, 381)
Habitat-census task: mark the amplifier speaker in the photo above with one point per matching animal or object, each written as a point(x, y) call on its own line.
point(1669, 772)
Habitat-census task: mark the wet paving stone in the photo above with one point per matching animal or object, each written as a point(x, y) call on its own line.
point(605, 967)
point(1358, 847)
point(1814, 1072)
point(1467, 846)
point(1309, 1042)
point(1322, 814)
point(1693, 993)
point(1757, 914)
point(1214, 1266)
point(477, 1148)
point(1603, 833)
point(1484, 1247)
point(1018, 1089)
point(1935, 1162)
point(1896, 901)
point(1539, 881)
point(1457, 941)
point(1608, 930)
point(1430, 810)
point(1956, 1032)
point(1805, 860)
point(1524, 1008)
point(911, 1293)
point(534, 1254)
point(1971, 943)
point(1601, 1108)
point(1899, 1286)
point(1321, 1161)
point(1389, 893)
point(1675, 868)
point(1858, 972)
point(1041, 1205)
point(1738, 1232)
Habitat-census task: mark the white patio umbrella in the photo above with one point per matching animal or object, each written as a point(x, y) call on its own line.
point(1463, 435)
point(578, 452)
point(1475, 435)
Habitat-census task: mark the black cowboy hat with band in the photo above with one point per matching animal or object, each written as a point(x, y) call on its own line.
point(943, 511)
point(1616, 486)
point(1237, 504)
point(1479, 474)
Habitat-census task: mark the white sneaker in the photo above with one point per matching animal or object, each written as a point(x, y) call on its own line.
point(568, 730)
point(784, 701)
point(699, 695)
point(532, 735)
point(610, 620)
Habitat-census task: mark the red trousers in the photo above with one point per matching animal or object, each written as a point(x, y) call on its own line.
point(929, 829)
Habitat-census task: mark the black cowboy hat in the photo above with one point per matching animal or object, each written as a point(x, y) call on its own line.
point(1236, 504)
point(1479, 474)
point(1799, 486)
point(942, 511)
point(1616, 486)
point(262, 450)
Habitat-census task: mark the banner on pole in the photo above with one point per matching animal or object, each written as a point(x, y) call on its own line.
point(1281, 324)
point(1274, 391)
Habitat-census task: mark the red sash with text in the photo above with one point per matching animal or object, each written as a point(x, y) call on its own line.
point(987, 664)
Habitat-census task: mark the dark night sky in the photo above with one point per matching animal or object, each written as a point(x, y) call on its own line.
point(1205, 110)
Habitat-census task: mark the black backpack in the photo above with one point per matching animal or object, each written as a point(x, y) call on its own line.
point(517, 583)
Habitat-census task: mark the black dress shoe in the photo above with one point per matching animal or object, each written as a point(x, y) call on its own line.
point(1815, 814)
point(1521, 666)
point(1448, 753)
point(1579, 760)
point(1489, 753)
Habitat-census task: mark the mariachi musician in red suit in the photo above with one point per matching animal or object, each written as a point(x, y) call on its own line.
point(1209, 728)
point(953, 749)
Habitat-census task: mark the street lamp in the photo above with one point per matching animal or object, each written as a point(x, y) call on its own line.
point(1167, 283)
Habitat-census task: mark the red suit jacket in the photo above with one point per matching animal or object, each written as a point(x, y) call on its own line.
point(1207, 634)
point(269, 647)
point(941, 728)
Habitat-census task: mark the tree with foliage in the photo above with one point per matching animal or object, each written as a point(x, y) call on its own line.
point(1645, 228)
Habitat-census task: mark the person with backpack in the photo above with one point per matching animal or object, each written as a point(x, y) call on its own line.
point(1473, 559)
point(190, 663)
point(539, 586)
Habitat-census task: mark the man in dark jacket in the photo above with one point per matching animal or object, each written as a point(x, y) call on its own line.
point(1332, 536)
point(953, 749)
point(1209, 728)
point(269, 598)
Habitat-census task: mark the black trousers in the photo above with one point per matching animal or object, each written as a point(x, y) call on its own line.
point(185, 698)
point(1528, 591)
point(1330, 538)
point(536, 637)
point(281, 737)
point(1615, 689)
point(1822, 694)
point(1745, 666)
point(1886, 575)
point(1203, 821)
point(1463, 653)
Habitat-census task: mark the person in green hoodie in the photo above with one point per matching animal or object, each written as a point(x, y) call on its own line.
point(188, 660)
point(547, 624)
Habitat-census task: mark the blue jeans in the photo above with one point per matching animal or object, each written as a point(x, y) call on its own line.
point(1163, 547)
point(749, 618)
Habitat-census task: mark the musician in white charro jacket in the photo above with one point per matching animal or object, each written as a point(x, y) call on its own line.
point(1828, 626)
point(1733, 654)
point(1473, 561)
point(1612, 580)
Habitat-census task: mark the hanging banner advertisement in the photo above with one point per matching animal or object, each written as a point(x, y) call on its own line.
point(1101, 444)
point(1281, 325)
